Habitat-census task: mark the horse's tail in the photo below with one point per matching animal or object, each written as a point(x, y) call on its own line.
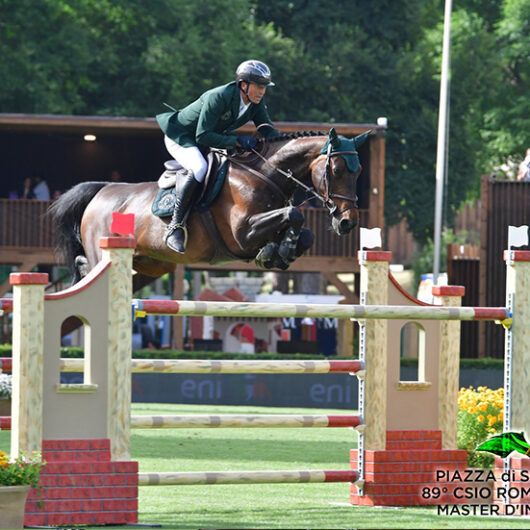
point(67, 212)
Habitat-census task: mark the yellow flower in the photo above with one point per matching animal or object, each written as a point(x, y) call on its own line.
point(480, 418)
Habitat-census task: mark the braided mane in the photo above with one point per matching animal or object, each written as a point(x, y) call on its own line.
point(292, 136)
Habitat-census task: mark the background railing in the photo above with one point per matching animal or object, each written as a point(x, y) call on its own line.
point(25, 225)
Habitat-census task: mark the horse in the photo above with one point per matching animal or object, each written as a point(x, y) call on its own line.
point(252, 217)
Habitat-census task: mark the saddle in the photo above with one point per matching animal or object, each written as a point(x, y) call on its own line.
point(164, 202)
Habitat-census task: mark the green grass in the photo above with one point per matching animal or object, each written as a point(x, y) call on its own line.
point(267, 505)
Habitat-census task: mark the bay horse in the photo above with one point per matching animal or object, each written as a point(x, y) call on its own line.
point(252, 217)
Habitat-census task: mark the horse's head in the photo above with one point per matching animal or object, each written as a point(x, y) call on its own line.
point(335, 177)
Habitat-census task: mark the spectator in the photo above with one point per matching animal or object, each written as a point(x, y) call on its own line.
point(27, 191)
point(56, 194)
point(40, 189)
point(524, 168)
point(13, 194)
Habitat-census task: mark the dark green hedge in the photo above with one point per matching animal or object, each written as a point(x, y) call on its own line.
point(73, 352)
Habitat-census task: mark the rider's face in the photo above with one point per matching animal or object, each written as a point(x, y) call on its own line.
point(255, 92)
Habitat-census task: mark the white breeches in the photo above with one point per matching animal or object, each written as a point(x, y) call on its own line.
point(188, 157)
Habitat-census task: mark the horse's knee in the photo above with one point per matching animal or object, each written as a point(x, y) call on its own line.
point(295, 217)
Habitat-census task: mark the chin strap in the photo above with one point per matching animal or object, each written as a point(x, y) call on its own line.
point(244, 91)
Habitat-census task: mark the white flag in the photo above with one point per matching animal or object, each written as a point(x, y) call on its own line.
point(517, 236)
point(370, 238)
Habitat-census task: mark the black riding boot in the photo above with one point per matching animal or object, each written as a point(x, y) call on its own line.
point(176, 233)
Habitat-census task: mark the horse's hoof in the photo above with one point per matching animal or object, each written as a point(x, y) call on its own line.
point(281, 264)
point(266, 257)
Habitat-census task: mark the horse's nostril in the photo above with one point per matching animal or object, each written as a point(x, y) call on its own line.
point(346, 225)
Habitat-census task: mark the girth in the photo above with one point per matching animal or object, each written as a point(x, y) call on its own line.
point(222, 253)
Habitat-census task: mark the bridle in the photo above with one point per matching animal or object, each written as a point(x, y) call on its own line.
point(327, 179)
point(326, 199)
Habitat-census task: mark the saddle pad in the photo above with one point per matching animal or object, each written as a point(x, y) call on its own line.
point(164, 202)
point(165, 199)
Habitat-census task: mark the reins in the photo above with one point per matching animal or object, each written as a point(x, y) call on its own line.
point(289, 175)
point(327, 199)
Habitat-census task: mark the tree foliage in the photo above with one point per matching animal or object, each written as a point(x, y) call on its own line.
point(335, 61)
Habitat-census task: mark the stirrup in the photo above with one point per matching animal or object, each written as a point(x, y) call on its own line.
point(173, 228)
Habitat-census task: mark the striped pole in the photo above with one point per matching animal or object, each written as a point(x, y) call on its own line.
point(245, 477)
point(243, 421)
point(240, 309)
point(196, 366)
point(259, 421)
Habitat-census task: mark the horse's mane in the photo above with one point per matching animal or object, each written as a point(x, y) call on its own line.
point(292, 136)
point(267, 146)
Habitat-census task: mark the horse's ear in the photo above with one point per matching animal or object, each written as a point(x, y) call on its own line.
point(334, 139)
point(359, 140)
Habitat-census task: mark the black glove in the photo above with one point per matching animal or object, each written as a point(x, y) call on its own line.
point(246, 142)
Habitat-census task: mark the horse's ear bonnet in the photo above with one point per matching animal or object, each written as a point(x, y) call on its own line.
point(359, 140)
point(339, 143)
point(334, 139)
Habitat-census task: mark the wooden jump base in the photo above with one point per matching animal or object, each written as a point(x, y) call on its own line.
point(239, 309)
point(245, 477)
point(258, 421)
point(405, 423)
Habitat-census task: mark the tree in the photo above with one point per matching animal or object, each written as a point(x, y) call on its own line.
point(333, 61)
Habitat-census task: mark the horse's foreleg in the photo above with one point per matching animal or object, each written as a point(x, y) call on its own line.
point(305, 241)
point(266, 226)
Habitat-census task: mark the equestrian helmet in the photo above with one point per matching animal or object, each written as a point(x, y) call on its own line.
point(254, 72)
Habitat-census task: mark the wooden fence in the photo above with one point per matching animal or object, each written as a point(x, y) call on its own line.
point(504, 203)
point(24, 226)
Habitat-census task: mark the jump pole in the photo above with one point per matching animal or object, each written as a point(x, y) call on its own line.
point(198, 366)
point(372, 311)
point(256, 421)
point(245, 477)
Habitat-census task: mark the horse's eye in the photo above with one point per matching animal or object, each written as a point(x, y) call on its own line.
point(338, 171)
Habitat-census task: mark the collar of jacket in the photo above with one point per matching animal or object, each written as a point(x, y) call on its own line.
point(236, 98)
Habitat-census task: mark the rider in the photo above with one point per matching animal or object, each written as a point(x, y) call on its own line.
point(210, 121)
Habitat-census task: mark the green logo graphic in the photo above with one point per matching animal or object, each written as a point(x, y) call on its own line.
point(503, 444)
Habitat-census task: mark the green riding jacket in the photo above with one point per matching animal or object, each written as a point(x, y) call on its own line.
point(212, 119)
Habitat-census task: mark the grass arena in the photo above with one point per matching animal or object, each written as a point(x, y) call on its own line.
point(406, 430)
